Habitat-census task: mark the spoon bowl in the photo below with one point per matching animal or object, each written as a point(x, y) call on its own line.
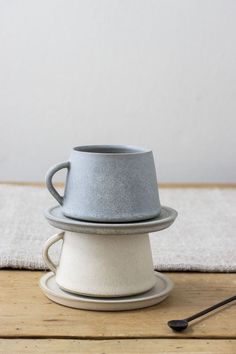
point(178, 325)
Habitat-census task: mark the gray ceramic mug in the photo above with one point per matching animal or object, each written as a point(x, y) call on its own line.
point(108, 183)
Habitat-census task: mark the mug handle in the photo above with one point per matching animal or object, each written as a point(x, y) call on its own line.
point(49, 177)
point(46, 247)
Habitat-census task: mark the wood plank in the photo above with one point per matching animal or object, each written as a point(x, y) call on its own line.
point(161, 185)
point(26, 312)
point(150, 346)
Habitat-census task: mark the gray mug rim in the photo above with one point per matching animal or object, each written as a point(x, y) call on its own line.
point(104, 150)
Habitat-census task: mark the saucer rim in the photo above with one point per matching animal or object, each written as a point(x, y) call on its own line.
point(115, 301)
point(106, 228)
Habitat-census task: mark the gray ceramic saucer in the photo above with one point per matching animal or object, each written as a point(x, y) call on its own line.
point(56, 218)
point(158, 293)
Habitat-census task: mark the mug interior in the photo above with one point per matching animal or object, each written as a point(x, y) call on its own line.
point(111, 149)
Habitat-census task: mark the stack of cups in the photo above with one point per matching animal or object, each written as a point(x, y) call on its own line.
point(110, 204)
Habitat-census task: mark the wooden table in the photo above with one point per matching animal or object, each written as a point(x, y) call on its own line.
point(31, 323)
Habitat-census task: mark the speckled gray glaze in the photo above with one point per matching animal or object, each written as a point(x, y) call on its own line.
point(56, 218)
point(108, 183)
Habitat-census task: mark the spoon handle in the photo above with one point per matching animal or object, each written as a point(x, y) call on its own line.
point(211, 308)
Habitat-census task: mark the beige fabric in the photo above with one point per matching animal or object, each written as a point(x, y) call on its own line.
point(203, 238)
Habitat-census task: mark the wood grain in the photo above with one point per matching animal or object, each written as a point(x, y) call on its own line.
point(150, 346)
point(26, 312)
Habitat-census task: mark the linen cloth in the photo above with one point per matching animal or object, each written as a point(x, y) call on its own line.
point(203, 237)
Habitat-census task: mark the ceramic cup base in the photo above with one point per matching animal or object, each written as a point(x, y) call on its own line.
point(152, 297)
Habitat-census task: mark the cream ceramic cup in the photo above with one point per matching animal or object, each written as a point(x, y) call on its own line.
point(102, 265)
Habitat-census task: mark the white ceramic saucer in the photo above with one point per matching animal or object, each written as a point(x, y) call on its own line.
point(157, 294)
point(56, 218)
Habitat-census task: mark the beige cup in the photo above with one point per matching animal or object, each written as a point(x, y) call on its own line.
point(102, 265)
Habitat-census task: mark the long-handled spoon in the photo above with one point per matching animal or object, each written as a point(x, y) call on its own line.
point(180, 325)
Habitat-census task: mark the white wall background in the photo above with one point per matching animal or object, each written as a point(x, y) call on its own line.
point(158, 73)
